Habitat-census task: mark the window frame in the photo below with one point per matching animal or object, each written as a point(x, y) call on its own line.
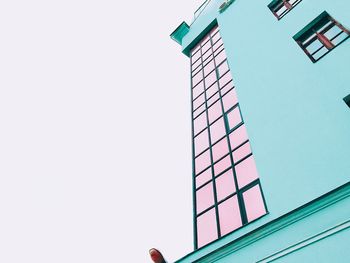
point(315, 31)
point(276, 5)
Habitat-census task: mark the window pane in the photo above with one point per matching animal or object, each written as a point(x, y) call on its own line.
point(209, 67)
point(315, 45)
point(225, 185)
point(220, 57)
point(215, 111)
point(196, 64)
point(225, 79)
point(220, 149)
point(205, 197)
point(246, 172)
point(198, 89)
point(217, 130)
point(198, 101)
point(210, 79)
point(226, 88)
point(212, 90)
point(200, 123)
point(238, 136)
point(229, 100)
point(223, 68)
point(218, 46)
point(254, 203)
point(206, 46)
point(202, 161)
point(213, 99)
point(201, 142)
point(233, 118)
point(215, 38)
point(229, 215)
point(196, 79)
point(196, 56)
point(222, 165)
point(241, 152)
point(206, 228)
point(203, 177)
point(198, 111)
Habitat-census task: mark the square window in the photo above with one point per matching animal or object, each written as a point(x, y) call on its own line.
point(201, 142)
point(202, 162)
point(220, 149)
point(238, 136)
point(222, 165)
point(200, 123)
point(254, 203)
point(215, 111)
point(233, 118)
point(229, 100)
point(321, 36)
point(204, 197)
point(217, 130)
point(206, 228)
point(246, 172)
point(225, 185)
point(229, 215)
point(204, 177)
point(281, 7)
point(241, 152)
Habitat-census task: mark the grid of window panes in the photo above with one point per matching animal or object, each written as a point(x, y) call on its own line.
point(227, 190)
point(281, 7)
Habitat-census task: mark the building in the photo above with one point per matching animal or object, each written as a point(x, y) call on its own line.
point(270, 85)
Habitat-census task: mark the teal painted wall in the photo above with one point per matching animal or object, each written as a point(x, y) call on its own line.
point(297, 122)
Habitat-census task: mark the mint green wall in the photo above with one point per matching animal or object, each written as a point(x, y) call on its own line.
point(297, 122)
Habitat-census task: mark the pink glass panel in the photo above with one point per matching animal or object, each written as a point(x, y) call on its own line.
point(215, 38)
point(254, 203)
point(212, 90)
point(204, 40)
point(241, 152)
point(205, 197)
point(196, 64)
point(225, 79)
point(215, 111)
point(213, 99)
point(225, 185)
point(238, 136)
point(200, 123)
point(218, 46)
point(229, 214)
point(198, 101)
point(196, 79)
point(229, 100)
point(234, 118)
point(206, 46)
point(220, 149)
point(246, 172)
point(202, 161)
point(223, 68)
point(217, 130)
point(195, 70)
point(209, 67)
point(222, 165)
point(210, 79)
point(196, 56)
point(206, 228)
point(198, 89)
point(227, 87)
point(220, 57)
point(206, 55)
point(201, 142)
point(203, 177)
point(198, 111)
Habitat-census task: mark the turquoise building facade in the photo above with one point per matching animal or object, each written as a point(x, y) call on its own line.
point(294, 106)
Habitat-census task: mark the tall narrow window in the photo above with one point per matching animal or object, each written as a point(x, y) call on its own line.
point(321, 36)
point(227, 189)
point(281, 7)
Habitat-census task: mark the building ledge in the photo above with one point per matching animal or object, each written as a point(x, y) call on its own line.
point(180, 32)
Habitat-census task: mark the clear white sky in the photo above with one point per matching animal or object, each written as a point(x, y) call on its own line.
point(95, 146)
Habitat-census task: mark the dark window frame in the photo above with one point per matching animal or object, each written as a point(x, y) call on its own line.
point(277, 5)
point(316, 31)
